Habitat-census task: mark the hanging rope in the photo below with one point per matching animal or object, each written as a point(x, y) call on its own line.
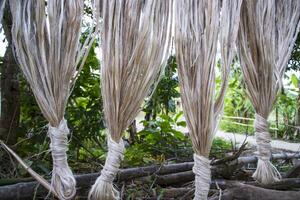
point(267, 33)
point(135, 41)
point(198, 25)
point(47, 47)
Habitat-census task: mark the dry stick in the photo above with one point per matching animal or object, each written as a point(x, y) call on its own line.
point(35, 175)
point(135, 42)
point(196, 38)
point(46, 41)
point(267, 33)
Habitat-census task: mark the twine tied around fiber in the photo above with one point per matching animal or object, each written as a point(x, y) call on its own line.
point(103, 188)
point(265, 172)
point(63, 180)
point(202, 171)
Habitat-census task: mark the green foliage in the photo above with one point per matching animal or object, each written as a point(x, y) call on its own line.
point(287, 107)
point(295, 80)
point(158, 141)
point(85, 110)
point(236, 104)
point(239, 113)
point(163, 100)
point(219, 148)
point(161, 141)
point(294, 62)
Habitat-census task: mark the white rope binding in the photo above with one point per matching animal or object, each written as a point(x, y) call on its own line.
point(265, 172)
point(202, 171)
point(62, 180)
point(103, 188)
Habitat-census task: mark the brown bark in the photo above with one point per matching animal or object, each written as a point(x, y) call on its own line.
point(132, 132)
point(248, 192)
point(279, 156)
point(283, 184)
point(175, 192)
point(10, 92)
point(293, 172)
point(180, 177)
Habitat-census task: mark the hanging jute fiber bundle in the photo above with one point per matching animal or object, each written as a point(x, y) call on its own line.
point(46, 45)
point(267, 32)
point(135, 41)
point(198, 25)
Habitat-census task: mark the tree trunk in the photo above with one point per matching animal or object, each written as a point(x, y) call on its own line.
point(132, 132)
point(10, 92)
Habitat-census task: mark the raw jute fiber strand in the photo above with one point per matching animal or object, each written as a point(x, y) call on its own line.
point(46, 45)
point(198, 24)
point(135, 41)
point(267, 32)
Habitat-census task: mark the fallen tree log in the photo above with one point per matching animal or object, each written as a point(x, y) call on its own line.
point(283, 184)
point(11, 181)
point(175, 192)
point(294, 172)
point(249, 192)
point(170, 179)
point(278, 156)
point(27, 190)
point(184, 177)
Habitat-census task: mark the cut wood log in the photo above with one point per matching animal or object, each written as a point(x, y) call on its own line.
point(283, 184)
point(278, 156)
point(294, 172)
point(175, 192)
point(131, 173)
point(26, 190)
point(249, 192)
point(12, 181)
point(124, 174)
point(184, 177)
point(170, 179)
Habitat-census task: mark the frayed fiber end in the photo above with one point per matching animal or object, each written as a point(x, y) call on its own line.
point(266, 172)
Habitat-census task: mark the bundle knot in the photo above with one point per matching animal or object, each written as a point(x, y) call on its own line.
point(114, 156)
point(265, 172)
point(202, 171)
point(59, 143)
point(263, 137)
point(103, 187)
point(63, 180)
